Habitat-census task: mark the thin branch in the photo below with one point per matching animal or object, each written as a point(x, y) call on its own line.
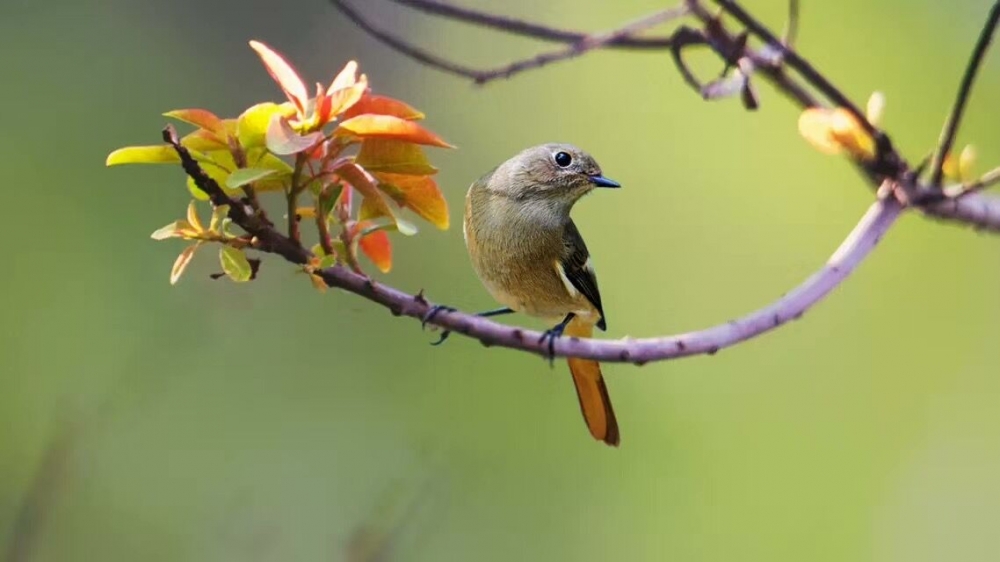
point(587, 44)
point(964, 92)
point(855, 248)
point(405, 47)
point(987, 180)
point(793, 60)
point(523, 28)
point(979, 212)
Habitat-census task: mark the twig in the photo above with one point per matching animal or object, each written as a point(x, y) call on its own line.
point(988, 179)
point(978, 212)
point(855, 248)
point(588, 43)
point(526, 29)
point(964, 92)
point(405, 47)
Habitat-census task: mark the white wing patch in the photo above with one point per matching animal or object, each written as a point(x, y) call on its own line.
point(565, 280)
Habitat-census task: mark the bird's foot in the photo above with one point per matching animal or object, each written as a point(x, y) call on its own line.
point(434, 311)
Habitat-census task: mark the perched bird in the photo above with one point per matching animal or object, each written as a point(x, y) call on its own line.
point(530, 256)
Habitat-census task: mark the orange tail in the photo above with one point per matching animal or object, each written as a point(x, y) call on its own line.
point(590, 389)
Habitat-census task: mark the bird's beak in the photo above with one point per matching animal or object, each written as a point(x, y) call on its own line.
point(601, 181)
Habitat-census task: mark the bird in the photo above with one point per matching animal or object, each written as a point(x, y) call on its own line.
point(530, 256)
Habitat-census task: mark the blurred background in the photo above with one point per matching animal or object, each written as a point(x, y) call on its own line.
point(264, 421)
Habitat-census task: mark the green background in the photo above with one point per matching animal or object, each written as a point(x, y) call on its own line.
point(264, 421)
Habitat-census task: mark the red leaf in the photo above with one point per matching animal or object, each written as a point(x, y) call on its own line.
point(377, 247)
point(283, 74)
point(370, 125)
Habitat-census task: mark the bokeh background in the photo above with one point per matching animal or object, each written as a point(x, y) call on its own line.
point(214, 421)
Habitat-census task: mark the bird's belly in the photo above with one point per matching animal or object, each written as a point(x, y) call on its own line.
point(537, 293)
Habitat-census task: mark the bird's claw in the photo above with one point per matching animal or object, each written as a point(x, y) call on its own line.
point(434, 311)
point(551, 335)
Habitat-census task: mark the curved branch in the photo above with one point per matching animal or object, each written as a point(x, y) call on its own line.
point(856, 247)
point(793, 305)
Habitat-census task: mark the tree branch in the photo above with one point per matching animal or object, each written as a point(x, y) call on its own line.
point(854, 249)
point(771, 61)
point(964, 92)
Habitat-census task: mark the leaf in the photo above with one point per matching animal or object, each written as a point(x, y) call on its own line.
point(345, 98)
point(192, 217)
point(380, 155)
point(361, 181)
point(382, 105)
point(235, 264)
point(201, 118)
point(244, 176)
point(327, 261)
point(318, 283)
point(418, 193)
point(203, 141)
point(370, 125)
point(306, 213)
point(832, 131)
point(283, 74)
point(219, 214)
point(251, 126)
point(345, 78)
point(282, 139)
point(377, 247)
point(181, 263)
point(196, 191)
point(178, 229)
point(160, 154)
point(875, 108)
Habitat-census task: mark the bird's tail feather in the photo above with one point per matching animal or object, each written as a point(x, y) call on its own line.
point(591, 390)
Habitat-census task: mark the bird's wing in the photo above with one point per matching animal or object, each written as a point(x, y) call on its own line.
point(577, 268)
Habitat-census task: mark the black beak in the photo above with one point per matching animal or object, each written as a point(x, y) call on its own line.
point(601, 181)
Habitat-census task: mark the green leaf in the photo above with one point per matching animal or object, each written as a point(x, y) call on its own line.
point(218, 215)
point(196, 191)
point(328, 261)
point(251, 127)
point(235, 264)
point(161, 154)
point(244, 176)
point(181, 263)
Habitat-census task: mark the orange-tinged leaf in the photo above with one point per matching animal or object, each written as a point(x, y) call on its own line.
point(201, 118)
point(380, 155)
point(306, 213)
point(160, 154)
point(382, 105)
point(318, 283)
point(180, 228)
point(282, 139)
point(202, 140)
point(192, 217)
point(345, 78)
point(363, 182)
point(390, 127)
point(345, 98)
point(378, 248)
point(418, 193)
point(181, 263)
point(283, 74)
point(835, 130)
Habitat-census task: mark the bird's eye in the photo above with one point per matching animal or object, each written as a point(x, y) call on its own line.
point(563, 159)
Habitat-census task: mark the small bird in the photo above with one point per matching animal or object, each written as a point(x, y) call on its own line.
point(531, 257)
